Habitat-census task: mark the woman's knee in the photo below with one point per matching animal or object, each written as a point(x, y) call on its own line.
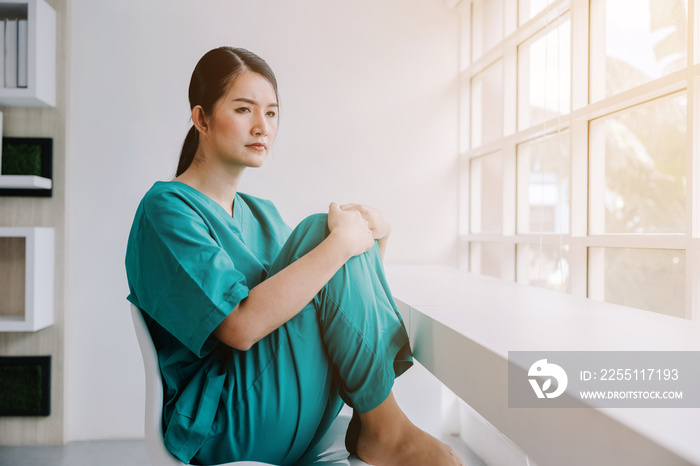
point(307, 235)
point(316, 224)
point(310, 232)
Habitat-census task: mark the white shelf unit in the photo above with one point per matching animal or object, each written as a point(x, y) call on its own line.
point(25, 182)
point(41, 59)
point(26, 278)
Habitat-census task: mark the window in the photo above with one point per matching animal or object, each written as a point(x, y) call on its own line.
point(578, 144)
point(544, 74)
point(487, 193)
point(651, 279)
point(487, 105)
point(637, 163)
point(636, 41)
point(543, 181)
point(546, 266)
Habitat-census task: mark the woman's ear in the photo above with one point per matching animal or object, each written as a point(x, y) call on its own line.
point(199, 119)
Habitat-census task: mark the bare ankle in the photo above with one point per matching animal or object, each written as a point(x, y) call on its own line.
point(387, 437)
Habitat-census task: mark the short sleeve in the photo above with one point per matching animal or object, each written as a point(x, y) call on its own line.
point(179, 274)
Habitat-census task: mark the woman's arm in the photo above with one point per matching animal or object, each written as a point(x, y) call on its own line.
point(280, 297)
point(381, 244)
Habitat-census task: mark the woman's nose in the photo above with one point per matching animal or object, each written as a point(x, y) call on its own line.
point(259, 126)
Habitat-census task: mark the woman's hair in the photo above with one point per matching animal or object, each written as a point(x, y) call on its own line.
point(211, 80)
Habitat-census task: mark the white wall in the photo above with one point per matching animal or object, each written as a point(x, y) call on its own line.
point(369, 114)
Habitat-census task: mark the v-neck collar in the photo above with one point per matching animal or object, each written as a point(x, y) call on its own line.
point(237, 203)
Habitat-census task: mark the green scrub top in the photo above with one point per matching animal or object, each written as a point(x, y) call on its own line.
point(188, 265)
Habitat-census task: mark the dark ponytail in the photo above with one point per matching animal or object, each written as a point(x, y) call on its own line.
point(189, 148)
point(211, 80)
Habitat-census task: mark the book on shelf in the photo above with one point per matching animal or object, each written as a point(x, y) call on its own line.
point(0, 143)
point(11, 53)
point(22, 52)
point(2, 48)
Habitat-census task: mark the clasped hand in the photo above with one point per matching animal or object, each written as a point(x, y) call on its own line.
point(359, 224)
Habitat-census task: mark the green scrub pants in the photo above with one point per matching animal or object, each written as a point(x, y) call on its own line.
point(349, 344)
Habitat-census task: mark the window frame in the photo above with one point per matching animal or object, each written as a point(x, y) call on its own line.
point(577, 122)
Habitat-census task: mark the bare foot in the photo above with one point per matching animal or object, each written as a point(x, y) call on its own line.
point(388, 438)
point(406, 446)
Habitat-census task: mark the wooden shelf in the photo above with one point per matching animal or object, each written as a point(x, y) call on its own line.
point(41, 54)
point(37, 185)
point(26, 274)
point(25, 182)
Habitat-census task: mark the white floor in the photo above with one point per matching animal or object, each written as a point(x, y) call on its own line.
point(94, 453)
point(123, 453)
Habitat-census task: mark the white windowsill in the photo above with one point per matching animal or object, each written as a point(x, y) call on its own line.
point(462, 327)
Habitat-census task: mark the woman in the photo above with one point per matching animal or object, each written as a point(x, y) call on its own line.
point(262, 332)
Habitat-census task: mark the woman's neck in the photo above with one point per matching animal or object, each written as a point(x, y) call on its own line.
point(217, 183)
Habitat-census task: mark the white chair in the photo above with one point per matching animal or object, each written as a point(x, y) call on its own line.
point(330, 451)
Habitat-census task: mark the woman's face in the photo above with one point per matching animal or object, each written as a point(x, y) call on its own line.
point(243, 125)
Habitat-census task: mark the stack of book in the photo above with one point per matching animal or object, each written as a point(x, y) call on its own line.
point(13, 41)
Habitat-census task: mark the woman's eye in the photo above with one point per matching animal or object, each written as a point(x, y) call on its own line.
point(271, 114)
point(243, 110)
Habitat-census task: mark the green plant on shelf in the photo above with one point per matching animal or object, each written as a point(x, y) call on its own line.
point(19, 388)
point(21, 159)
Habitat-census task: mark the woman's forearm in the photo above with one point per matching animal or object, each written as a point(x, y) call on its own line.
point(381, 244)
point(280, 297)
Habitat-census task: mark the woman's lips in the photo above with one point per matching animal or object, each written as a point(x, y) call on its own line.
point(257, 146)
